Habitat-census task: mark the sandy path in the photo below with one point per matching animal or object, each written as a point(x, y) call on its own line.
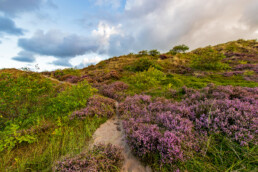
point(112, 132)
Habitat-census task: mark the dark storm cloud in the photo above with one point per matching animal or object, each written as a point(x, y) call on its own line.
point(24, 56)
point(54, 43)
point(9, 27)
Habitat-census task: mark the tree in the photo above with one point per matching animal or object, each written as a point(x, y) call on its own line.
point(143, 52)
point(154, 52)
point(179, 49)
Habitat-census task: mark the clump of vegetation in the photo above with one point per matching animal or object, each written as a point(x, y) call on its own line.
point(171, 134)
point(147, 79)
point(154, 52)
point(143, 53)
point(99, 106)
point(142, 64)
point(114, 90)
point(179, 49)
point(208, 59)
point(101, 158)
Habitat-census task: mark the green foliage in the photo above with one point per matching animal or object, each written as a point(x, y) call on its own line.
point(23, 95)
point(68, 71)
point(208, 59)
point(70, 99)
point(179, 49)
point(10, 138)
point(154, 52)
point(223, 155)
point(143, 53)
point(142, 64)
point(147, 79)
point(70, 137)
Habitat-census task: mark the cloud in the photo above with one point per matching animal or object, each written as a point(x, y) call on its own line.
point(25, 56)
point(57, 44)
point(9, 27)
point(112, 3)
point(152, 24)
point(62, 62)
point(13, 7)
point(60, 45)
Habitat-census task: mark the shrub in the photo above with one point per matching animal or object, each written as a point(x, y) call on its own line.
point(114, 90)
point(154, 52)
point(100, 158)
point(170, 133)
point(23, 95)
point(142, 64)
point(143, 53)
point(100, 106)
point(147, 79)
point(179, 49)
point(208, 59)
point(70, 99)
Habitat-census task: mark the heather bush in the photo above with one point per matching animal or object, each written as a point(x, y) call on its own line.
point(241, 67)
point(176, 132)
point(101, 158)
point(97, 105)
point(114, 90)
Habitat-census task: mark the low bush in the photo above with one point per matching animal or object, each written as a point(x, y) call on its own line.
point(114, 90)
point(101, 158)
point(171, 134)
point(100, 106)
point(147, 79)
point(208, 59)
point(142, 64)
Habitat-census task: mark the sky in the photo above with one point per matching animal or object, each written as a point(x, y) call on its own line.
point(57, 34)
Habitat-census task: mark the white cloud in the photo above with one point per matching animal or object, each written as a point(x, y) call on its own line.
point(113, 3)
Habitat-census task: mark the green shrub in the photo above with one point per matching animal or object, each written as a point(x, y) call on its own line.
point(179, 49)
point(154, 52)
point(143, 53)
point(69, 71)
point(142, 64)
point(208, 59)
point(23, 95)
point(72, 98)
point(147, 79)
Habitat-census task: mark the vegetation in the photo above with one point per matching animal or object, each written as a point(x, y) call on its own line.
point(179, 49)
point(181, 111)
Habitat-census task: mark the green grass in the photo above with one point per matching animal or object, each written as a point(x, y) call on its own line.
point(68, 137)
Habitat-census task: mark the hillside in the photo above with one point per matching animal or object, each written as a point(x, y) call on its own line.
point(177, 111)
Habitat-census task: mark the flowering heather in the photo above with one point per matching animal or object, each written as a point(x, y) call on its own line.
point(232, 73)
point(114, 90)
point(100, 158)
point(176, 130)
point(96, 105)
point(253, 67)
